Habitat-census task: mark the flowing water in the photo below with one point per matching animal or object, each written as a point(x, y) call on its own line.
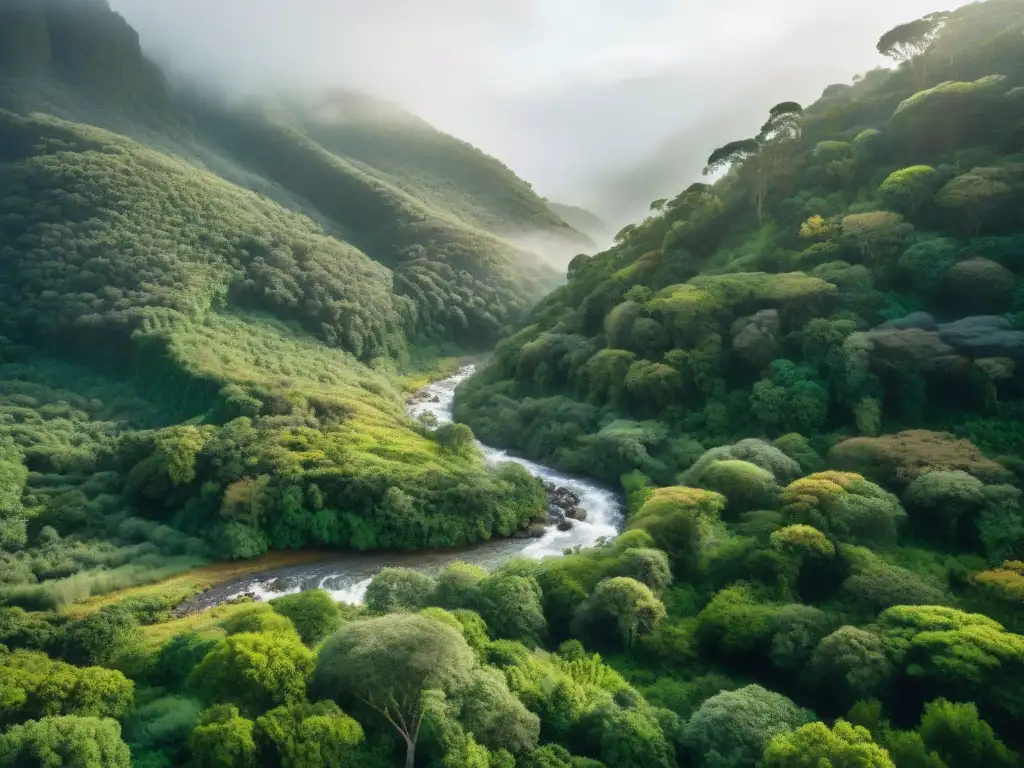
point(347, 576)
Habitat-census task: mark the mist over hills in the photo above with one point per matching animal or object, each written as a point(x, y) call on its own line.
point(254, 276)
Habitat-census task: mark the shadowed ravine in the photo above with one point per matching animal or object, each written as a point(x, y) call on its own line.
point(348, 576)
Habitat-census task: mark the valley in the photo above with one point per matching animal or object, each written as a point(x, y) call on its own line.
point(327, 441)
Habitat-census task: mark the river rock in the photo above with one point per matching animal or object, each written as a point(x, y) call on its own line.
point(755, 338)
point(565, 525)
point(576, 513)
point(984, 336)
point(536, 531)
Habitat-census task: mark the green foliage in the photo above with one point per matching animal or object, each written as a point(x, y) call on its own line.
point(512, 608)
point(734, 623)
point(845, 506)
point(101, 637)
point(733, 728)
point(650, 567)
point(908, 189)
point(456, 585)
point(222, 738)
point(35, 686)
point(398, 589)
point(815, 745)
point(255, 671)
point(494, 716)
point(939, 500)
point(77, 742)
point(259, 619)
point(178, 657)
point(624, 603)
point(797, 631)
point(960, 737)
point(314, 614)
point(850, 664)
point(677, 520)
point(307, 736)
point(162, 727)
point(877, 585)
point(386, 663)
point(746, 486)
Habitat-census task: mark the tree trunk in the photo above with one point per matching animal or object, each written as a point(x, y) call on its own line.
point(410, 753)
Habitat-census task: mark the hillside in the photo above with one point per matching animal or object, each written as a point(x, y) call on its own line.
point(207, 318)
point(806, 378)
point(77, 60)
point(583, 220)
point(855, 271)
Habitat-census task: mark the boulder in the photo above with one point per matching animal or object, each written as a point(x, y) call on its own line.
point(911, 345)
point(565, 525)
point(997, 368)
point(576, 513)
point(916, 347)
point(536, 531)
point(983, 336)
point(756, 337)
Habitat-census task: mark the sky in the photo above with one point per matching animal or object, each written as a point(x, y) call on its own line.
point(574, 95)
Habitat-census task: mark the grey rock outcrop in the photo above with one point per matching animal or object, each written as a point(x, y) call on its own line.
point(756, 337)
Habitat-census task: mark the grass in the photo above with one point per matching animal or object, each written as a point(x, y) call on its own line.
point(185, 585)
point(206, 623)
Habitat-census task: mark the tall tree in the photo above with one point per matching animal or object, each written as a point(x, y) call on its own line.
point(908, 41)
point(388, 662)
point(782, 126)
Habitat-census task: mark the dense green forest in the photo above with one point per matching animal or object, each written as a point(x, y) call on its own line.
point(208, 319)
point(805, 376)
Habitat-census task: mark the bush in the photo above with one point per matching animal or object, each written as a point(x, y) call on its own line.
point(850, 664)
point(623, 604)
point(937, 502)
point(512, 607)
point(64, 741)
point(648, 566)
point(178, 657)
point(677, 518)
point(222, 738)
point(314, 614)
point(844, 506)
point(895, 460)
point(732, 728)
point(880, 585)
point(746, 486)
point(734, 623)
point(258, 618)
point(254, 672)
point(398, 589)
point(814, 745)
point(456, 585)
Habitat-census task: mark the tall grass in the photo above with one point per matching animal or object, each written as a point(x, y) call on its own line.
point(57, 594)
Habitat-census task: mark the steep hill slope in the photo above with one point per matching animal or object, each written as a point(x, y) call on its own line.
point(857, 270)
point(206, 314)
point(78, 60)
point(236, 329)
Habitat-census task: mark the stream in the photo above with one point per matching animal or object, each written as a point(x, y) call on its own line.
point(347, 576)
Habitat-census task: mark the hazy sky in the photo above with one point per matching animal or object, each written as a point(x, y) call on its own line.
point(564, 91)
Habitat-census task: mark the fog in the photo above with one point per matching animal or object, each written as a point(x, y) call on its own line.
point(598, 103)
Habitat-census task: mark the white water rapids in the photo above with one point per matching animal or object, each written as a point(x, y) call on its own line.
point(348, 576)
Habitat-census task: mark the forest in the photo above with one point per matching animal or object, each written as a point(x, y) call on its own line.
point(803, 374)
